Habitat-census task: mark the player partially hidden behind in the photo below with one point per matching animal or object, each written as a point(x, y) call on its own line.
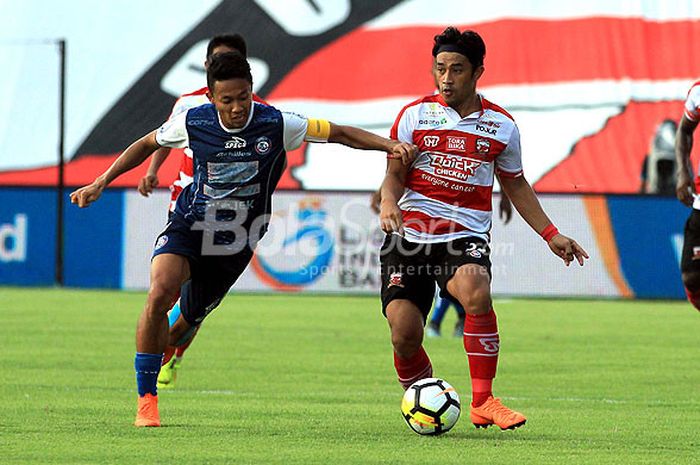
point(437, 216)
point(172, 359)
point(686, 191)
point(239, 153)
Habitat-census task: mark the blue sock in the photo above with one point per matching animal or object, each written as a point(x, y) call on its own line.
point(147, 368)
point(439, 310)
point(460, 310)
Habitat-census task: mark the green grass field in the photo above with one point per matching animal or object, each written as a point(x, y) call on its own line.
point(292, 379)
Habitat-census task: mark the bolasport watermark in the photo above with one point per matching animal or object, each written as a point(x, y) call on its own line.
point(352, 232)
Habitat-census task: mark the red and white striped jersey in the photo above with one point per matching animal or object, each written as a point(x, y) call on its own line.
point(692, 112)
point(185, 176)
point(448, 188)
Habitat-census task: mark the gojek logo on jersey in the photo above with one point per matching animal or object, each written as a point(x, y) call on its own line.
point(303, 254)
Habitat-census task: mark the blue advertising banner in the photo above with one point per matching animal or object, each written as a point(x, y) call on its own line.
point(93, 242)
point(27, 236)
point(649, 236)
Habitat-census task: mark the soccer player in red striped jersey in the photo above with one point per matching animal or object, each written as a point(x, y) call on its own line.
point(437, 216)
point(686, 191)
point(217, 45)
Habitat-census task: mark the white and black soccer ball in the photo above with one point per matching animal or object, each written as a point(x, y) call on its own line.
point(430, 406)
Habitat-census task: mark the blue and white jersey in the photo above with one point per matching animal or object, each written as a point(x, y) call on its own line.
point(234, 169)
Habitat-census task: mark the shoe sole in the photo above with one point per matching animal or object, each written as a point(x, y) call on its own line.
point(511, 427)
point(146, 424)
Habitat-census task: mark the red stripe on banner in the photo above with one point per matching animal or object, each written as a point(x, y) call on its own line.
point(451, 192)
point(85, 169)
point(590, 166)
point(565, 50)
point(421, 222)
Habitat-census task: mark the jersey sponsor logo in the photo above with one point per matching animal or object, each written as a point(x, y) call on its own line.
point(162, 240)
point(200, 122)
point(263, 145)
point(489, 123)
point(432, 122)
point(234, 154)
point(483, 145)
point(487, 130)
point(235, 143)
point(490, 344)
point(431, 141)
point(453, 166)
point(456, 143)
point(395, 279)
point(434, 110)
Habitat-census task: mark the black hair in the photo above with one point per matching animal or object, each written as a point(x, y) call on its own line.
point(468, 43)
point(225, 66)
point(234, 41)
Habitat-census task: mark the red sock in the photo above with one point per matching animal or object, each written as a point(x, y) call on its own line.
point(693, 298)
point(167, 354)
point(180, 350)
point(414, 368)
point(481, 344)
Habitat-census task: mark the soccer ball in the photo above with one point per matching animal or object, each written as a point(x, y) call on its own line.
point(430, 406)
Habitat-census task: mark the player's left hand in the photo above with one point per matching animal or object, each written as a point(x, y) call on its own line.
point(86, 195)
point(567, 249)
point(404, 151)
point(505, 209)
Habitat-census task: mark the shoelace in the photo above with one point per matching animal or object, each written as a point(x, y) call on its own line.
point(499, 409)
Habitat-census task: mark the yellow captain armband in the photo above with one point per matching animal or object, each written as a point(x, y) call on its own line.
point(318, 130)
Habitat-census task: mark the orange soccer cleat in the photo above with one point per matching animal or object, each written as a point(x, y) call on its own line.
point(493, 412)
point(147, 414)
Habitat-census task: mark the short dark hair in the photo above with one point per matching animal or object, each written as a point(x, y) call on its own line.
point(234, 41)
point(225, 66)
point(468, 43)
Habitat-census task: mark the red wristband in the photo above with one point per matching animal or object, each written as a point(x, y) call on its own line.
point(549, 232)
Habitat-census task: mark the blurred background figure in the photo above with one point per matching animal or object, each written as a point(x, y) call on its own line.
point(659, 166)
point(440, 307)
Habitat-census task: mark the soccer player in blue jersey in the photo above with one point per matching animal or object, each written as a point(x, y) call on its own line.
point(239, 152)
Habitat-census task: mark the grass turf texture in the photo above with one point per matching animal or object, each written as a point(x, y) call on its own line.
point(297, 379)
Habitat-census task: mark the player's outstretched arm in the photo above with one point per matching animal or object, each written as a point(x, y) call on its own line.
point(392, 189)
point(150, 180)
point(684, 144)
point(361, 139)
point(525, 201)
point(132, 157)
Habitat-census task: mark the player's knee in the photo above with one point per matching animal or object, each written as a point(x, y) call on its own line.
point(471, 286)
point(691, 281)
point(406, 344)
point(162, 295)
point(475, 299)
point(407, 338)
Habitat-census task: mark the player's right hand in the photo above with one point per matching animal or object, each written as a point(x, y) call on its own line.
point(86, 195)
point(567, 249)
point(147, 184)
point(685, 189)
point(390, 218)
point(404, 152)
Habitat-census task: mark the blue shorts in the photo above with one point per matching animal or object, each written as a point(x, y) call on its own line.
point(211, 276)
